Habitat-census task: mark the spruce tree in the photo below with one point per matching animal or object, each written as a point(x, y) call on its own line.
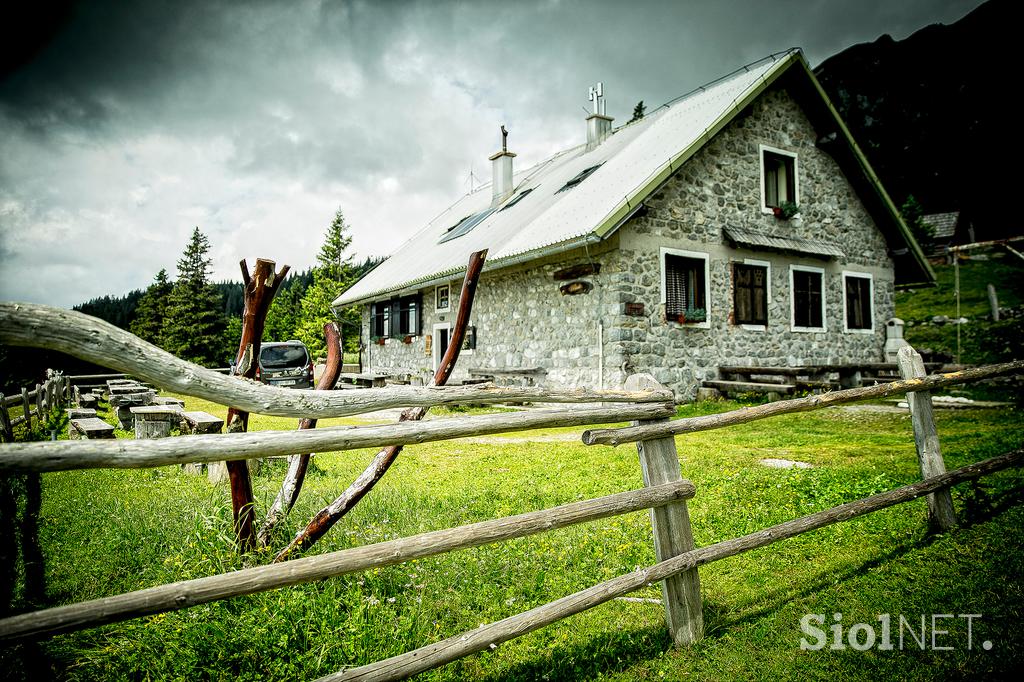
point(285, 314)
point(913, 216)
point(151, 313)
point(331, 276)
point(195, 324)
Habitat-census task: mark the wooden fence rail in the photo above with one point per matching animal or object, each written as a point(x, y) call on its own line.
point(812, 402)
point(136, 454)
point(665, 493)
point(483, 637)
point(87, 338)
point(260, 579)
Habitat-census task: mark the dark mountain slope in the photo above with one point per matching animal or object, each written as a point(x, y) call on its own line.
point(935, 115)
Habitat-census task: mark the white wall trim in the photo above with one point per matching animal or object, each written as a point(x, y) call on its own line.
point(792, 300)
point(435, 347)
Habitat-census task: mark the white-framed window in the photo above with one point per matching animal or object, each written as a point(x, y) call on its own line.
point(807, 296)
point(442, 298)
point(858, 302)
point(751, 292)
point(780, 181)
point(686, 287)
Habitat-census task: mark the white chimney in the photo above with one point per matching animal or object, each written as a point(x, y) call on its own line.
point(501, 165)
point(599, 124)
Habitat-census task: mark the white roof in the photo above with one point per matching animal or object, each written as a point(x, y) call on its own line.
point(632, 161)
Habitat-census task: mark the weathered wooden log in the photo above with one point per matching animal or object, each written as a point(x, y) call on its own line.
point(27, 408)
point(259, 294)
point(993, 303)
point(5, 421)
point(942, 517)
point(298, 464)
point(748, 414)
point(260, 579)
point(131, 454)
point(87, 338)
point(490, 635)
point(659, 464)
point(382, 461)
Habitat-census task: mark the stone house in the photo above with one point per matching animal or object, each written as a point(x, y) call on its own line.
point(737, 225)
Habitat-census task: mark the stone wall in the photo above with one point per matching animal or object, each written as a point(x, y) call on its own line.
point(523, 321)
point(721, 187)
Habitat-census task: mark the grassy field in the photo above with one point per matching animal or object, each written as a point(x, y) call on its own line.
point(981, 340)
point(105, 532)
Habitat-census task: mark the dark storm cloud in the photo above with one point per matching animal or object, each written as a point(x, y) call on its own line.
point(136, 121)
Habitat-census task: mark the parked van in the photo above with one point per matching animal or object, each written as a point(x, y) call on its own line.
point(285, 363)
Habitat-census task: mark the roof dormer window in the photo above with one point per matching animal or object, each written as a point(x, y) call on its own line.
point(464, 226)
point(580, 177)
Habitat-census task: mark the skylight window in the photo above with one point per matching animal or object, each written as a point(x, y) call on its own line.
point(519, 197)
point(464, 226)
point(580, 177)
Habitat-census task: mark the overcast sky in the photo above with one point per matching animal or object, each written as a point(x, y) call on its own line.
point(134, 122)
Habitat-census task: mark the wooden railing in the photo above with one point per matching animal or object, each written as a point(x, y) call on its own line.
point(646, 404)
point(37, 403)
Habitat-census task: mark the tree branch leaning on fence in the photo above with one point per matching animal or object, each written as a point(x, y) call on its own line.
point(259, 294)
point(328, 516)
point(298, 464)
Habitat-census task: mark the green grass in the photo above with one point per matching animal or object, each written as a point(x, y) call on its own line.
point(105, 532)
point(981, 340)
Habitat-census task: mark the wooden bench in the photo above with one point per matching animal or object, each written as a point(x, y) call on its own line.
point(196, 422)
point(527, 376)
point(364, 379)
point(733, 387)
point(80, 412)
point(163, 400)
point(90, 427)
point(155, 421)
point(200, 422)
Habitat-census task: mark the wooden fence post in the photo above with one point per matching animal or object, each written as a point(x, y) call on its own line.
point(659, 463)
point(5, 421)
point(27, 407)
point(39, 403)
point(941, 516)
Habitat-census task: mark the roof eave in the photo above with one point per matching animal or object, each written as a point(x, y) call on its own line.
point(489, 266)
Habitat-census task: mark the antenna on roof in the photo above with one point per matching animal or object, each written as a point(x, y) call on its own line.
point(597, 97)
point(471, 179)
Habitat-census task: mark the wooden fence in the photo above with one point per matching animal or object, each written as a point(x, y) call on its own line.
point(37, 403)
point(645, 403)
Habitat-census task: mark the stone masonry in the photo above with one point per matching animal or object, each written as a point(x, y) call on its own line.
point(523, 321)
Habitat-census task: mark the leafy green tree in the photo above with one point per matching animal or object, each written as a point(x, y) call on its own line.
point(194, 329)
point(332, 275)
point(285, 314)
point(151, 312)
point(913, 216)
